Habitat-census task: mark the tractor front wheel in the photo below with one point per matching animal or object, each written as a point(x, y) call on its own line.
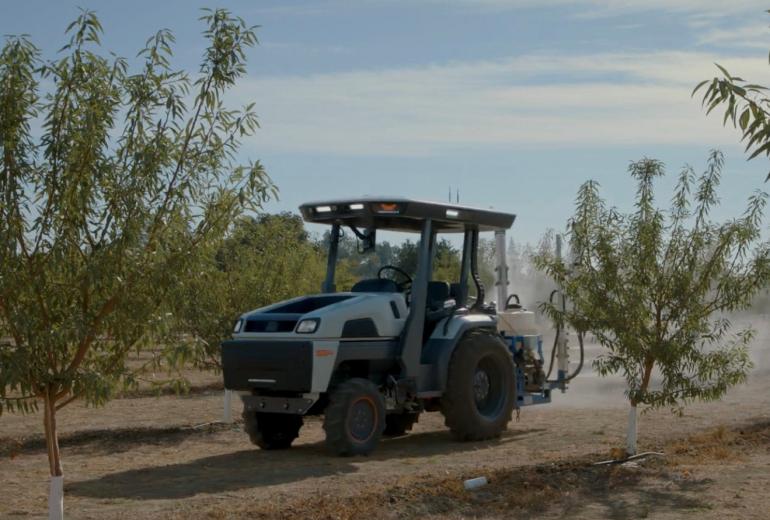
point(271, 431)
point(355, 418)
point(480, 390)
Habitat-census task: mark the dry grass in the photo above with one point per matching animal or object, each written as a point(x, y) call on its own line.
point(720, 444)
point(523, 490)
point(512, 492)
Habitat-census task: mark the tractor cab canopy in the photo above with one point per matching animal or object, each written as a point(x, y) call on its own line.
point(405, 215)
point(364, 216)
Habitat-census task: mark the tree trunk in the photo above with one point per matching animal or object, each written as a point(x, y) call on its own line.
point(631, 432)
point(227, 415)
point(649, 363)
point(56, 490)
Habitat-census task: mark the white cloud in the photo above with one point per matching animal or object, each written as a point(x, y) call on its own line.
point(755, 35)
point(618, 7)
point(537, 100)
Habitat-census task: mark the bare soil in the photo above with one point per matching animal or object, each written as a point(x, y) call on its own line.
point(167, 457)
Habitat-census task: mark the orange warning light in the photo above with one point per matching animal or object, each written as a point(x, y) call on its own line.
point(387, 207)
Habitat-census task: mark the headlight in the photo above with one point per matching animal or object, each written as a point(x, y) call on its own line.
point(237, 327)
point(308, 326)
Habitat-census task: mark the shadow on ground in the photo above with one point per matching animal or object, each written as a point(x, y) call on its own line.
point(258, 468)
point(112, 440)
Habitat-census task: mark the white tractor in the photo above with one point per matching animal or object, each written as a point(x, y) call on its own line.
point(373, 359)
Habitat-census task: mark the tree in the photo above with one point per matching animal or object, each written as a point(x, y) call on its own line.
point(261, 261)
point(446, 263)
point(654, 287)
point(746, 106)
point(130, 176)
point(406, 255)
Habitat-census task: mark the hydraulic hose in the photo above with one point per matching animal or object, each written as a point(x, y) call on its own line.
point(582, 358)
point(475, 271)
point(559, 329)
point(555, 339)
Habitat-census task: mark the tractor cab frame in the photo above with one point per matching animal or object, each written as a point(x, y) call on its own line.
point(365, 216)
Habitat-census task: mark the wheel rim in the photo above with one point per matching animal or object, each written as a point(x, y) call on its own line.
point(481, 386)
point(488, 392)
point(362, 419)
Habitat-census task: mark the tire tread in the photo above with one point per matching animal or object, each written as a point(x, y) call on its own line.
point(454, 402)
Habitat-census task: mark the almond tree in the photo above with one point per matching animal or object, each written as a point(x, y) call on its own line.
point(654, 288)
point(101, 169)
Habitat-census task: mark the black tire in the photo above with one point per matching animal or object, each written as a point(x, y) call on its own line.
point(355, 418)
point(397, 424)
point(271, 431)
point(480, 392)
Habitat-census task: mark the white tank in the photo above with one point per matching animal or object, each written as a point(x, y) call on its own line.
point(517, 322)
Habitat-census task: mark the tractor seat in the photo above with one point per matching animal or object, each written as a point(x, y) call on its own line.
point(374, 285)
point(440, 301)
point(455, 289)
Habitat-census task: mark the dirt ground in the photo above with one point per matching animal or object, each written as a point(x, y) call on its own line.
point(156, 457)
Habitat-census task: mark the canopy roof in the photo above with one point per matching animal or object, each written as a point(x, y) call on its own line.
point(398, 214)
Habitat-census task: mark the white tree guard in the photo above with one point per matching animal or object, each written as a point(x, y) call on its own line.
point(227, 415)
point(631, 433)
point(56, 499)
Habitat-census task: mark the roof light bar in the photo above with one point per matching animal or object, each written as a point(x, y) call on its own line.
point(323, 209)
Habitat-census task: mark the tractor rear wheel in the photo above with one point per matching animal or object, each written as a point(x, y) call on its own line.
point(271, 431)
point(481, 389)
point(397, 424)
point(355, 418)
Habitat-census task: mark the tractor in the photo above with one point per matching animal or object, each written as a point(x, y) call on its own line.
point(372, 359)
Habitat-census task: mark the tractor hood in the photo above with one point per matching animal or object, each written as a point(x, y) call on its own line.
point(338, 316)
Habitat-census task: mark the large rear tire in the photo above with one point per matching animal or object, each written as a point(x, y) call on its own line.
point(355, 418)
point(271, 431)
point(480, 392)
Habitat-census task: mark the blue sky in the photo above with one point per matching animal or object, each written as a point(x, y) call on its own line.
point(514, 102)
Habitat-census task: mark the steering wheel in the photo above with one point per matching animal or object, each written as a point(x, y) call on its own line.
point(405, 285)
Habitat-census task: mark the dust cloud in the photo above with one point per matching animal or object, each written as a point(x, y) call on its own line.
point(589, 389)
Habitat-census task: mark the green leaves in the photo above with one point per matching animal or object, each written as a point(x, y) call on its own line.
point(104, 209)
point(745, 104)
point(651, 285)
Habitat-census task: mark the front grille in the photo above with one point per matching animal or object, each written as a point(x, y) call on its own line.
point(274, 366)
point(269, 325)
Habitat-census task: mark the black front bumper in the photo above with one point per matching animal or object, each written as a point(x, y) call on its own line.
point(266, 404)
point(264, 364)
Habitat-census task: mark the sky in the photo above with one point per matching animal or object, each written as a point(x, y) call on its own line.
point(515, 103)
